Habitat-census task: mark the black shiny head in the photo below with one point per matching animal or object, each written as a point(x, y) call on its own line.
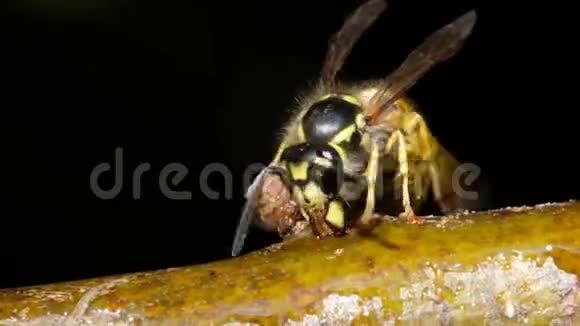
point(318, 163)
point(328, 117)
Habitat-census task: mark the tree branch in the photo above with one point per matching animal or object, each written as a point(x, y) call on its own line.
point(515, 264)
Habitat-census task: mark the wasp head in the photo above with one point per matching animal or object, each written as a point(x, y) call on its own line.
point(315, 175)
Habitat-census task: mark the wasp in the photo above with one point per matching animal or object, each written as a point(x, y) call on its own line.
point(345, 139)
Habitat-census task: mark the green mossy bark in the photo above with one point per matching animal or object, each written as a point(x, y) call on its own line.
point(508, 266)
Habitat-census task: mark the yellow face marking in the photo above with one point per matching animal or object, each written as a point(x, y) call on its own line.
point(335, 214)
point(311, 193)
point(344, 135)
point(299, 197)
point(314, 195)
point(299, 171)
point(323, 162)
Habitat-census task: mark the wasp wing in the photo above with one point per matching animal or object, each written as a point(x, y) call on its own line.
point(342, 42)
point(249, 212)
point(436, 48)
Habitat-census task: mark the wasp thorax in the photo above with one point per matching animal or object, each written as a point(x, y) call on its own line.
point(333, 119)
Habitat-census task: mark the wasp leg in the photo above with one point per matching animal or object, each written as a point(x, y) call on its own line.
point(441, 167)
point(368, 220)
point(409, 213)
point(445, 203)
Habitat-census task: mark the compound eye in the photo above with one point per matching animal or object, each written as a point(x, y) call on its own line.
point(331, 173)
point(330, 183)
point(296, 153)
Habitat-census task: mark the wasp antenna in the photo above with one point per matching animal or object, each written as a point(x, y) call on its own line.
point(248, 213)
point(242, 230)
point(467, 22)
point(341, 42)
point(439, 46)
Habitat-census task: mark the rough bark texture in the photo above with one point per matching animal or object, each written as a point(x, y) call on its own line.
point(504, 267)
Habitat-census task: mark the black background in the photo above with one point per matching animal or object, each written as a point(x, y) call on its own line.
point(196, 83)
